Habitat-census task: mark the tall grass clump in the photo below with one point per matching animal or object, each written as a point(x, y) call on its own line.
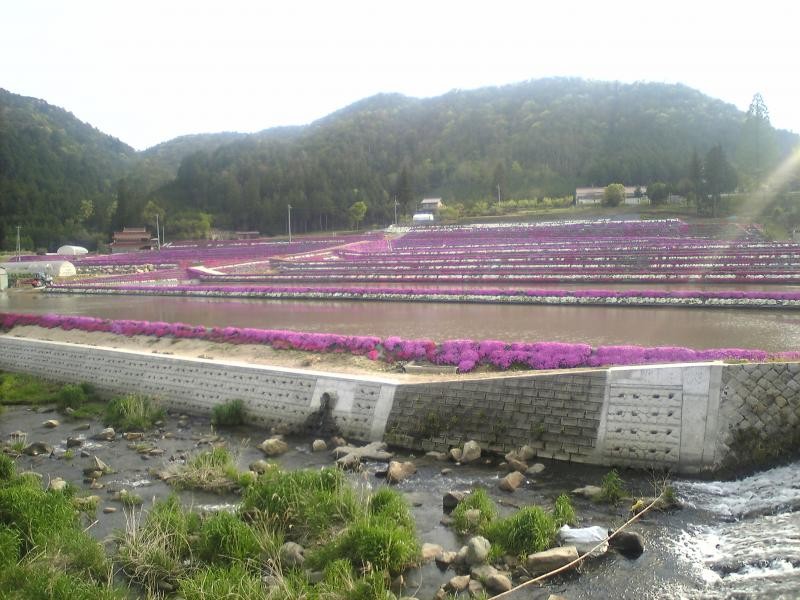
point(217, 582)
point(80, 401)
point(225, 539)
point(212, 470)
point(612, 490)
point(303, 503)
point(465, 520)
point(133, 413)
point(71, 396)
point(383, 538)
point(7, 468)
point(160, 550)
point(529, 530)
point(563, 511)
point(342, 583)
point(229, 414)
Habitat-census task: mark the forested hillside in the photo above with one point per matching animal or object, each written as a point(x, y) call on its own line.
point(58, 175)
point(533, 139)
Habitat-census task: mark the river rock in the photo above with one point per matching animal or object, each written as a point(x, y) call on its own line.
point(292, 555)
point(585, 539)
point(399, 471)
point(319, 446)
point(590, 492)
point(57, 484)
point(442, 456)
point(338, 441)
point(627, 543)
point(109, 509)
point(451, 499)
point(349, 462)
point(514, 464)
point(497, 583)
point(478, 549)
point(482, 572)
point(473, 517)
point(475, 588)
point(549, 560)
point(74, 442)
point(101, 466)
point(372, 451)
point(107, 435)
point(133, 436)
point(430, 551)
point(445, 559)
point(471, 452)
point(51, 423)
point(457, 584)
point(274, 446)
point(535, 469)
point(37, 448)
point(260, 466)
point(455, 454)
point(512, 481)
point(556, 597)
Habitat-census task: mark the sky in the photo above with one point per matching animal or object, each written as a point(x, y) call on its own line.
point(148, 71)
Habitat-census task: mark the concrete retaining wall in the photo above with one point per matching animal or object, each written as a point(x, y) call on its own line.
point(687, 418)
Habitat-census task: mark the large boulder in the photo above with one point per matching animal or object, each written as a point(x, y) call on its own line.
point(398, 471)
point(590, 492)
point(451, 499)
point(274, 446)
point(373, 451)
point(585, 539)
point(497, 583)
point(37, 448)
point(106, 435)
point(627, 543)
point(550, 560)
point(478, 549)
point(457, 584)
point(430, 551)
point(512, 481)
point(471, 452)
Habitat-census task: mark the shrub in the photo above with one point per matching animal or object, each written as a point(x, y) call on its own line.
point(230, 414)
point(224, 539)
point(612, 489)
point(528, 530)
point(218, 582)
point(563, 511)
point(477, 500)
point(133, 412)
point(341, 583)
point(302, 503)
point(71, 396)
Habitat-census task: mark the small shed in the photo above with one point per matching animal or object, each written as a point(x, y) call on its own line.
point(72, 251)
point(430, 205)
point(3, 279)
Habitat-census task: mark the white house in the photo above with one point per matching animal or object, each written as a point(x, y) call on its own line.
point(422, 218)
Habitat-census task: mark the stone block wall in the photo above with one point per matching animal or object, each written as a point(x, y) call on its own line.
point(558, 414)
point(759, 411)
point(280, 398)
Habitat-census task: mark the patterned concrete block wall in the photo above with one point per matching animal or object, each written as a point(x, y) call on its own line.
point(759, 410)
point(558, 414)
point(281, 398)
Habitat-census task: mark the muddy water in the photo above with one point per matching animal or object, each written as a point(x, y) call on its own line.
point(732, 540)
point(690, 327)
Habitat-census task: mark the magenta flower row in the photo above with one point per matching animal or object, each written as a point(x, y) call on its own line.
point(464, 354)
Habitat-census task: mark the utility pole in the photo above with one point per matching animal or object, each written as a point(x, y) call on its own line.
point(289, 206)
point(395, 211)
point(498, 193)
point(158, 235)
point(18, 244)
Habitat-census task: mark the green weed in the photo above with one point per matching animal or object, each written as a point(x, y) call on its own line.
point(528, 530)
point(212, 470)
point(612, 488)
point(465, 521)
point(133, 413)
point(563, 511)
point(230, 414)
point(302, 503)
point(220, 582)
point(225, 538)
point(18, 388)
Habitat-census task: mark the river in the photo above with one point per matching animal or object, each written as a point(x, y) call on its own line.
point(697, 328)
